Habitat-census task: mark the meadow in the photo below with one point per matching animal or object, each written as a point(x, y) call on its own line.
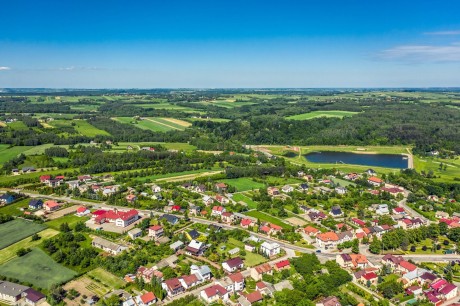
point(14, 209)
point(318, 114)
point(106, 278)
point(81, 126)
point(16, 230)
point(156, 124)
point(239, 197)
point(267, 218)
point(71, 220)
point(7, 153)
point(25, 270)
point(243, 184)
point(427, 164)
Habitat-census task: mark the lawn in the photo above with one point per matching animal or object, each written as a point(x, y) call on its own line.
point(10, 252)
point(244, 184)
point(319, 114)
point(210, 119)
point(241, 197)
point(250, 259)
point(180, 146)
point(16, 230)
point(268, 218)
point(71, 220)
point(81, 126)
point(106, 278)
point(8, 153)
point(37, 268)
point(13, 178)
point(14, 209)
point(427, 164)
point(343, 183)
point(17, 126)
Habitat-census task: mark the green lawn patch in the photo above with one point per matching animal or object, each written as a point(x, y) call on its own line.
point(71, 220)
point(318, 114)
point(268, 218)
point(16, 230)
point(8, 153)
point(241, 197)
point(37, 268)
point(15, 208)
point(106, 278)
point(244, 184)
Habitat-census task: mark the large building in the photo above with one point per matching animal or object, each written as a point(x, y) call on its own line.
point(120, 218)
point(13, 293)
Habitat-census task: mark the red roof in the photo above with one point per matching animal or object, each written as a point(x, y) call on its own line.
point(45, 177)
point(148, 297)
point(221, 185)
point(438, 284)
point(81, 209)
point(310, 229)
point(407, 265)
point(51, 204)
point(155, 227)
point(264, 229)
point(60, 177)
point(370, 276)
point(218, 208)
point(275, 227)
point(246, 222)
point(254, 297)
point(447, 288)
point(214, 290)
point(113, 215)
point(375, 179)
point(283, 263)
point(175, 208)
point(361, 235)
point(399, 209)
point(358, 221)
point(99, 212)
point(236, 277)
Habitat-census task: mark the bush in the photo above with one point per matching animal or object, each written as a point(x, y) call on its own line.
point(424, 248)
point(413, 248)
point(446, 242)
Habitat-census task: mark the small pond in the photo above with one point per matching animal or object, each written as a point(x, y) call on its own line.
point(376, 160)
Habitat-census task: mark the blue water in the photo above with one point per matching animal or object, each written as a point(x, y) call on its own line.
point(376, 160)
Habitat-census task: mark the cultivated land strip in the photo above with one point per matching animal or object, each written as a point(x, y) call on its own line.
point(164, 124)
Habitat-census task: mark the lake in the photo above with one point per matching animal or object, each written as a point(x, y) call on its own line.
point(376, 160)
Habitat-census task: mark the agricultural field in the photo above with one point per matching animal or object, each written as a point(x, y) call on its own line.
point(267, 218)
point(244, 184)
point(107, 278)
point(207, 119)
point(10, 252)
point(25, 269)
point(320, 114)
point(71, 220)
point(16, 230)
point(180, 146)
point(17, 126)
point(156, 124)
point(7, 153)
point(81, 126)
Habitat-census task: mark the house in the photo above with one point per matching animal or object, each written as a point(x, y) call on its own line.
point(233, 264)
point(176, 246)
point(214, 294)
point(146, 299)
point(352, 176)
point(148, 274)
point(135, 233)
point(194, 210)
point(193, 234)
point(399, 210)
point(358, 222)
point(131, 198)
point(156, 189)
point(221, 187)
point(441, 215)
point(270, 249)
point(11, 292)
point(394, 191)
point(84, 178)
point(6, 199)
point(382, 210)
point(82, 211)
point(200, 188)
point(195, 248)
point(33, 297)
point(345, 236)
point(353, 261)
point(45, 178)
point(156, 231)
point(327, 240)
point(54, 182)
point(303, 187)
point(287, 189)
point(405, 266)
point(246, 223)
point(28, 169)
point(371, 172)
point(51, 205)
point(250, 298)
point(120, 218)
point(207, 200)
point(311, 231)
point(329, 301)
point(443, 290)
point(336, 211)
point(203, 272)
point(35, 204)
point(222, 200)
point(270, 229)
point(375, 181)
point(369, 277)
point(217, 211)
point(265, 288)
point(228, 217)
point(108, 246)
point(316, 216)
point(73, 184)
point(189, 281)
point(232, 283)
point(273, 191)
point(282, 265)
point(340, 190)
point(258, 271)
point(414, 290)
point(109, 190)
point(171, 219)
point(172, 286)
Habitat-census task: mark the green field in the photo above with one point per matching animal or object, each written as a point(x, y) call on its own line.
point(241, 197)
point(180, 146)
point(37, 268)
point(71, 220)
point(428, 164)
point(153, 124)
point(268, 218)
point(8, 153)
point(243, 184)
point(15, 208)
point(250, 259)
point(10, 252)
point(210, 119)
point(81, 126)
point(106, 278)
point(318, 114)
point(16, 230)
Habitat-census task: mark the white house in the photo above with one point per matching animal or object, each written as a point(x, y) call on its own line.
point(287, 189)
point(270, 249)
point(233, 264)
point(382, 210)
point(214, 294)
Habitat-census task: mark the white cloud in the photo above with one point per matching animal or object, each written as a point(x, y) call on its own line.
point(4, 68)
point(67, 68)
point(422, 53)
point(443, 33)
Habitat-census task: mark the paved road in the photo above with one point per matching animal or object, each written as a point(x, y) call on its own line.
point(403, 204)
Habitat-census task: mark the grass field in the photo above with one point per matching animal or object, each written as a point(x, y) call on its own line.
point(250, 259)
point(14, 209)
point(243, 184)
point(268, 218)
point(428, 164)
point(16, 230)
point(17, 126)
point(241, 197)
point(319, 114)
point(9, 252)
point(69, 219)
point(107, 278)
point(210, 119)
point(13, 178)
point(180, 146)
point(25, 269)
point(8, 153)
point(81, 126)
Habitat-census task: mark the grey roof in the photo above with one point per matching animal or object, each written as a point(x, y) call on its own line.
point(135, 231)
point(170, 218)
point(286, 284)
point(11, 289)
point(107, 244)
point(176, 244)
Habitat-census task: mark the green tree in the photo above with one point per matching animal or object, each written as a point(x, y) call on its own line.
point(376, 246)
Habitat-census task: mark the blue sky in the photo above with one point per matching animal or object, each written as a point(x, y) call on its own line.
point(203, 44)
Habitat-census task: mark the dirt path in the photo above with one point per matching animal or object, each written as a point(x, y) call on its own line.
point(167, 125)
point(410, 161)
point(186, 177)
